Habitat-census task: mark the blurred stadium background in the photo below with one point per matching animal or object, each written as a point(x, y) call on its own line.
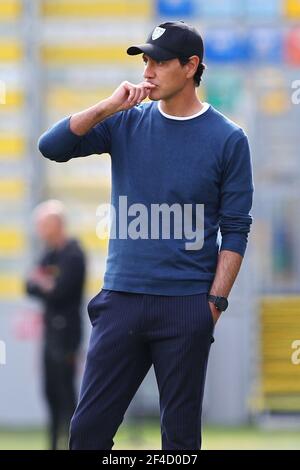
point(60, 56)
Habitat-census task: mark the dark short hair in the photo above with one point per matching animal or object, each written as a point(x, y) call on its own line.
point(199, 71)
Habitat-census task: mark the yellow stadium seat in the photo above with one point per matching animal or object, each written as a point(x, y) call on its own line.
point(11, 287)
point(11, 146)
point(12, 241)
point(10, 50)
point(292, 8)
point(13, 99)
point(63, 99)
point(10, 10)
point(280, 378)
point(76, 53)
point(96, 8)
point(92, 242)
point(11, 189)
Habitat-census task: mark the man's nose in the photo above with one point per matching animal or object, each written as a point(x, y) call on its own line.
point(148, 71)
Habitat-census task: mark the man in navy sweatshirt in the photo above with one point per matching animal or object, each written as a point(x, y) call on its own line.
point(181, 171)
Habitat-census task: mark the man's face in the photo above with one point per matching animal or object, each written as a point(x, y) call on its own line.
point(169, 77)
point(48, 227)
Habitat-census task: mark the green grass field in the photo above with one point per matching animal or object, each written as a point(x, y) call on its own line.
point(147, 437)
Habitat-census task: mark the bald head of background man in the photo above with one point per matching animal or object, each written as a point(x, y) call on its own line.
point(50, 223)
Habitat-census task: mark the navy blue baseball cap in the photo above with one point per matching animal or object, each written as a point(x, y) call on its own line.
point(171, 40)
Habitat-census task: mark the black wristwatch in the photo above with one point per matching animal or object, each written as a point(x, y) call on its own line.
point(221, 303)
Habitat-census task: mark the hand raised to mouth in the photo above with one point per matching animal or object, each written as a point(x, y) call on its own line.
point(128, 95)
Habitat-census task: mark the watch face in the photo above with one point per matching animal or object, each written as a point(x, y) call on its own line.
point(222, 303)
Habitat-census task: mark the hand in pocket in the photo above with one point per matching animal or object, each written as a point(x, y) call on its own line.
point(214, 312)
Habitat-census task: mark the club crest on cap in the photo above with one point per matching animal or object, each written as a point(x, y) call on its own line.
point(158, 31)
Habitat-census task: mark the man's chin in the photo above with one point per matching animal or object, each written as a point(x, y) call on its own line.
point(154, 95)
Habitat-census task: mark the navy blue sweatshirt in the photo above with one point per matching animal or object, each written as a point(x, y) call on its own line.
point(201, 161)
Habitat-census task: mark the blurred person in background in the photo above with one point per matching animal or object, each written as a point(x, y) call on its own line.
point(58, 281)
point(161, 299)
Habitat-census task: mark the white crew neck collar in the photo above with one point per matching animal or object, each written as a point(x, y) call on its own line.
point(184, 118)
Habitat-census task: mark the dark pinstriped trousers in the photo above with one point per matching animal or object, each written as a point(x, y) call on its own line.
point(130, 333)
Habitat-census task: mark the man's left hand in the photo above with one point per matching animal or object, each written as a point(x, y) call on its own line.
point(215, 312)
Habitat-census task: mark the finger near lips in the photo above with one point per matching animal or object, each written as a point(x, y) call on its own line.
point(133, 95)
point(145, 91)
point(143, 95)
point(136, 96)
point(139, 93)
point(130, 96)
point(148, 90)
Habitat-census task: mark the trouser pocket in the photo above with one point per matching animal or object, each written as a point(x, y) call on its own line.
point(94, 306)
point(211, 319)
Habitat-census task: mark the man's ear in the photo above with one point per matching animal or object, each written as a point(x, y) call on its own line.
point(192, 65)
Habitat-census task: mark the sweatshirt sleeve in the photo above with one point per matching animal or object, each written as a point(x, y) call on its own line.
point(236, 194)
point(60, 144)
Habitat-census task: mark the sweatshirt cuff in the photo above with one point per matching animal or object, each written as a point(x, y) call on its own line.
point(50, 142)
point(236, 242)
